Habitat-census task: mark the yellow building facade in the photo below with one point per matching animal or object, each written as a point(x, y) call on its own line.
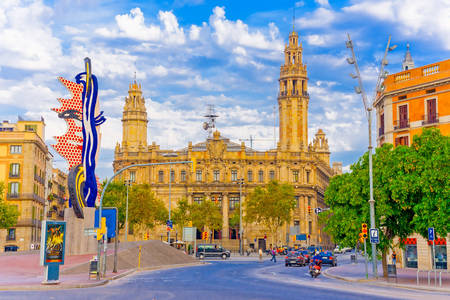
point(58, 196)
point(23, 159)
point(222, 162)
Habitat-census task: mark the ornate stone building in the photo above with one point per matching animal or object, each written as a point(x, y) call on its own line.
point(221, 162)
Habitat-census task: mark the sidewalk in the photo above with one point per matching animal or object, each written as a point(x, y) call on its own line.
point(406, 278)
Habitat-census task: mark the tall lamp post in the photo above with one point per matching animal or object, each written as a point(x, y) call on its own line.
point(170, 188)
point(128, 184)
point(369, 108)
point(240, 182)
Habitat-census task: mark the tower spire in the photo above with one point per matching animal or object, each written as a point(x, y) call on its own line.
point(408, 62)
point(293, 20)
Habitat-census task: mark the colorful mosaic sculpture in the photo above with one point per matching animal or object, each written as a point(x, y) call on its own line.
point(80, 144)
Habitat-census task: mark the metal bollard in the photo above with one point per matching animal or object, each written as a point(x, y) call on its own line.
point(440, 279)
point(417, 277)
point(429, 277)
point(139, 257)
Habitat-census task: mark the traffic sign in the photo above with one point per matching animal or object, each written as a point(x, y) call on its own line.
point(431, 234)
point(90, 231)
point(374, 236)
point(170, 224)
point(317, 210)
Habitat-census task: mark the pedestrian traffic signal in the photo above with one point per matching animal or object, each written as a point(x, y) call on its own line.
point(309, 210)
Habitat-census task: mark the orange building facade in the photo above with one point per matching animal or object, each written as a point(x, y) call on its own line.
point(411, 100)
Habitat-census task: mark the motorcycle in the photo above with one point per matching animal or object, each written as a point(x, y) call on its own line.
point(314, 270)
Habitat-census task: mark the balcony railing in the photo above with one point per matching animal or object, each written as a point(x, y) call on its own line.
point(430, 119)
point(24, 196)
point(399, 124)
point(14, 175)
point(380, 131)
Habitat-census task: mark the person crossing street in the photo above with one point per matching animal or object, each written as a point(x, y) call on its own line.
point(274, 254)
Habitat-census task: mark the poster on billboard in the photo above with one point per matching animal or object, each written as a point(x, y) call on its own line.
point(54, 242)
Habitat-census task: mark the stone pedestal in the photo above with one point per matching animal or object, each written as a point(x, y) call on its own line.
point(76, 241)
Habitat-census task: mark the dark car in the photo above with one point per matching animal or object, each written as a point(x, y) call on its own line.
point(212, 250)
point(328, 259)
point(307, 255)
point(294, 258)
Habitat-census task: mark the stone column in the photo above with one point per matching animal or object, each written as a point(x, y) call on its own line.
point(225, 225)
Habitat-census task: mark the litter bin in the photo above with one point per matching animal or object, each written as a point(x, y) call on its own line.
point(353, 258)
point(93, 274)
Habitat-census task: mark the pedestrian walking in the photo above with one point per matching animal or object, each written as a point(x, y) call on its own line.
point(274, 258)
point(394, 257)
point(260, 255)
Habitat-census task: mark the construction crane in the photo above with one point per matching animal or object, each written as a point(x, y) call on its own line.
point(251, 139)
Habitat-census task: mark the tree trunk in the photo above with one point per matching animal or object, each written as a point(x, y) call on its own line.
point(384, 262)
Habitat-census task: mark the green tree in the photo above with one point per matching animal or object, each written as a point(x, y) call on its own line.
point(144, 208)
point(8, 213)
point(406, 193)
point(270, 206)
point(116, 196)
point(234, 217)
point(181, 214)
point(206, 215)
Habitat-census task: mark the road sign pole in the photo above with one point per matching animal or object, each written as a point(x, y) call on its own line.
point(365, 259)
point(434, 263)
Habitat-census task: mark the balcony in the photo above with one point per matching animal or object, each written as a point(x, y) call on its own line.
point(24, 196)
point(14, 175)
point(380, 131)
point(401, 124)
point(430, 119)
point(12, 196)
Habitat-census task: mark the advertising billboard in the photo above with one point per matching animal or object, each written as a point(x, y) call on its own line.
point(54, 242)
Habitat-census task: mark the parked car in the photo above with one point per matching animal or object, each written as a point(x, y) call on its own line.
point(212, 250)
point(328, 259)
point(294, 258)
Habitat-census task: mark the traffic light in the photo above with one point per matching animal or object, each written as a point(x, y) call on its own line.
point(363, 234)
point(309, 209)
point(204, 235)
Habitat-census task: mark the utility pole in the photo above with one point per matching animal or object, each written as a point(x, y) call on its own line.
point(240, 182)
point(369, 108)
point(127, 183)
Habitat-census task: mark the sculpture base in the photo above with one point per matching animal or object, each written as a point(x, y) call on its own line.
point(76, 241)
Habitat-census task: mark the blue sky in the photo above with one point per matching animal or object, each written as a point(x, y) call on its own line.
point(190, 53)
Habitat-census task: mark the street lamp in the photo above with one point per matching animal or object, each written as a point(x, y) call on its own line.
point(170, 187)
point(369, 108)
point(127, 183)
point(240, 182)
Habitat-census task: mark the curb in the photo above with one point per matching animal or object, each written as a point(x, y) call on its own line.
point(385, 284)
point(97, 283)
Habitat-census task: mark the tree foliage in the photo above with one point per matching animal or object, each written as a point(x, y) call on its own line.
point(181, 214)
point(8, 213)
point(234, 217)
point(115, 196)
point(270, 206)
point(207, 214)
point(410, 190)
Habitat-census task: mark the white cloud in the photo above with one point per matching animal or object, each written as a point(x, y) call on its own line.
point(320, 18)
point(299, 3)
point(319, 39)
point(72, 30)
point(26, 40)
point(133, 26)
point(323, 3)
point(410, 18)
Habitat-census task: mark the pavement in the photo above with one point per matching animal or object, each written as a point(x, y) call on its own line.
point(235, 278)
point(406, 278)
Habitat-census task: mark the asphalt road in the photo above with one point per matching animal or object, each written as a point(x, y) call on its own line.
point(231, 279)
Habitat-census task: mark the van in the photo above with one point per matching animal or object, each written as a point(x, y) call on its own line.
point(212, 250)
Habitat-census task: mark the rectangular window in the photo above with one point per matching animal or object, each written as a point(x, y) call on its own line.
point(402, 97)
point(261, 176)
point(297, 226)
point(15, 149)
point(234, 201)
point(249, 176)
point(161, 176)
point(294, 87)
point(272, 175)
point(216, 175)
point(295, 175)
point(381, 130)
point(31, 128)
point(172, 176)
point(309, 200)
point(14, 170)
point(309, 227)
point(402, 141)
point(133, 176)
point(183, 176)
point(217, 199)
point(403, 116)
point(233, 175)
point(411, 256)
point(198, 199)
point(307, 176)
point(198, 176)
point(297, 201)
point(14, 189)
point(432, 116)
point(11, 234)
